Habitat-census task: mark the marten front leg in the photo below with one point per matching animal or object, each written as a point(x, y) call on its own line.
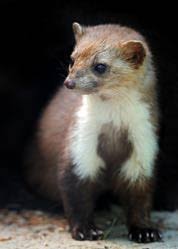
point(137, 200)
point(136, 179)
point(79, 200)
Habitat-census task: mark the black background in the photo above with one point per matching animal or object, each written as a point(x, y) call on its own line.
point(35, 43)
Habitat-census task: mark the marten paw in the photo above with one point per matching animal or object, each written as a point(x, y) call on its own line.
point(86, 233)
point(144, 235)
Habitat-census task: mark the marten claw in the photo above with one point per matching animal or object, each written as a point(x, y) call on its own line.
point(144, 235)
point(86, 233)
point(81, 235)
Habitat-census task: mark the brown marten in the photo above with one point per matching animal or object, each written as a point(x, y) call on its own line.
point(99, 132)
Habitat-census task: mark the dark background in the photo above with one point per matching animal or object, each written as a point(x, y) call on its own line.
point(35, 43)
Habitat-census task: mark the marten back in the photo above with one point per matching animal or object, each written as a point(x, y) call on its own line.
point(43, 155)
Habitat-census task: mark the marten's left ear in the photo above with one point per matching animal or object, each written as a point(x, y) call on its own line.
point(78, 30)
point(134, 52)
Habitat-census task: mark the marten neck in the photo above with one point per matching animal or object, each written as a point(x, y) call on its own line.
point(119, 96)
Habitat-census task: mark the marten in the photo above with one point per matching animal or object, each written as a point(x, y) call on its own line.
point(100, 132)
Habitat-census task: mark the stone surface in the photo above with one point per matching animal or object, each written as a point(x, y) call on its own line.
point(27, 229)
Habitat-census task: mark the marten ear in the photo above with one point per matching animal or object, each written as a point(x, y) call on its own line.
point(78, 30)
point(134, 52)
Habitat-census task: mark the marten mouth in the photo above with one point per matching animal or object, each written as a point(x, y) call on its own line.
point(89, 88)
point(86, 90)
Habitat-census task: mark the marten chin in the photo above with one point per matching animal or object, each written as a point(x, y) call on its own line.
point(100, 132)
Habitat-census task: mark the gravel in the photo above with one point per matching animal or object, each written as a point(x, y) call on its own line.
point(35, 229)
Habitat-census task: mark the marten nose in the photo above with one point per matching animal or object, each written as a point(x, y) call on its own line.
point(69, 84)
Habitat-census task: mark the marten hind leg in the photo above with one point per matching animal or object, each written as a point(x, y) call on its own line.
point(137, 202)
point(79, 201)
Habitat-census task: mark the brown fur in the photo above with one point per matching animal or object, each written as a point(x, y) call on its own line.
point(43, 154)
point(113, 146)
point(137, 201)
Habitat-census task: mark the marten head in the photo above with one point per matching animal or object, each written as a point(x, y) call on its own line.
point(105, 58)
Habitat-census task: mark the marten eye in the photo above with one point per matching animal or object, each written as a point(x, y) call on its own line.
point(100, 68)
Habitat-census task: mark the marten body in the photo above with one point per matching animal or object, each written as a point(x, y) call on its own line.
point(101, 133)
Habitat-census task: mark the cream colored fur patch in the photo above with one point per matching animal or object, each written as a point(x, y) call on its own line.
point(124, 110)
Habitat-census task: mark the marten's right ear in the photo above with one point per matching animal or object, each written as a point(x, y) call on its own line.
point(78, 30)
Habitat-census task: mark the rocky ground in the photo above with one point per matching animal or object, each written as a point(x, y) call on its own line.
point(33, 229)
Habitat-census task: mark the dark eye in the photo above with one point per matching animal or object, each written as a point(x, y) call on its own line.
point(100, 68)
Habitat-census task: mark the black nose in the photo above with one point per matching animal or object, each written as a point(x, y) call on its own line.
point(69, 84)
